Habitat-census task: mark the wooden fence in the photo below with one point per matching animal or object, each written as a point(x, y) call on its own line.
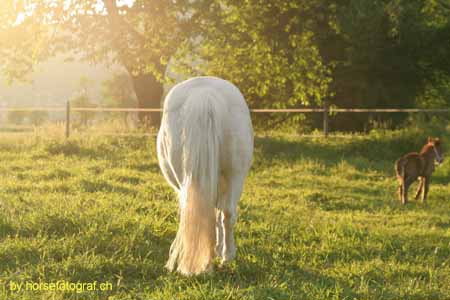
point(325, 110)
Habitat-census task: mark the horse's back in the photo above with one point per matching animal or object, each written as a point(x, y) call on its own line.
point(236, 130)
point(178, 95)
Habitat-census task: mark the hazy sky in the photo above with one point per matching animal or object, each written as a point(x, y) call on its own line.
point(53, 83)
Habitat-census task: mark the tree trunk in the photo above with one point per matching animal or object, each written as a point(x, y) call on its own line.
point(148, 89)
point(149, 92)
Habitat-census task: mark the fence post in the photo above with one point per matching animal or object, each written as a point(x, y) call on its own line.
point(326, 110)
point(67, 119)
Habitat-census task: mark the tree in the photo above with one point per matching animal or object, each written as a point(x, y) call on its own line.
point(17, 117)
point(83, 99)
point(38, 117)
point(141, 35)
point(387, 52)
point(118, 92)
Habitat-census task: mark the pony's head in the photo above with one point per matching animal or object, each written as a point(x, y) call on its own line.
point(437, 147)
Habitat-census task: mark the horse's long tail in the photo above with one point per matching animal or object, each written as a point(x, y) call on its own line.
point(193, 247)
point(400, 172)
point(400, 167)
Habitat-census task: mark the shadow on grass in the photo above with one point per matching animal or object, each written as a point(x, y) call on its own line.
point(146, 167)
point(440, 178)
point(329, 203)
point(269, 277)
point(269, 149)
point(98, 185)
point(144, 261)
point(75, 148)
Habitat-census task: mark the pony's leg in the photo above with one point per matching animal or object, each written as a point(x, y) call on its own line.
point(400, 189)
point(426, 188)
point(408, 181)
point(230, 216)
point(419, 189)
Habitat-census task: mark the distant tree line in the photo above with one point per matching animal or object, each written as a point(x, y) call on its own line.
point(281, 54)
point(34, 118)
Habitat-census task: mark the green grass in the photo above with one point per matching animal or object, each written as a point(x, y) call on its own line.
point(318, 220)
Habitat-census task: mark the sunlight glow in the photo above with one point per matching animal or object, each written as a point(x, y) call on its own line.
point(99, 8)
point(125, 2)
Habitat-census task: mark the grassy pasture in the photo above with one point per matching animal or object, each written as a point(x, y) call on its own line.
point(318, 220)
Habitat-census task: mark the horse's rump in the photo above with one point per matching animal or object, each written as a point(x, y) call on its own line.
point(400, 167)
point(410, 164)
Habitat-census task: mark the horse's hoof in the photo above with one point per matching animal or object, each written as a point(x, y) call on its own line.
point(218, 250)
point(209, 268)
point(228, 256)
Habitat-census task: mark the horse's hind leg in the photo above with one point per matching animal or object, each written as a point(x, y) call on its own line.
point(419, 189)
point(406, 184)
point(223, 197)
point(404, 194)
point(219, 233)
point(229, 217)
point(400, 191)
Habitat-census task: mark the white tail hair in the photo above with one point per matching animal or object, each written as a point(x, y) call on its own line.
point(192, 251)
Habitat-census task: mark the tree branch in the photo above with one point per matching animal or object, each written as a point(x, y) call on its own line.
point(444, 4)
point(118, 23)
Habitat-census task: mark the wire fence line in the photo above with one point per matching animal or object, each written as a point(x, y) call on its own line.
point(256, 110)
point(326, 111)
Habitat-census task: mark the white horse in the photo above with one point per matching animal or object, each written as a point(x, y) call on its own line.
point(205, 149)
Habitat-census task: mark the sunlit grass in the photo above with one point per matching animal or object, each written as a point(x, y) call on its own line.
point(318, 220)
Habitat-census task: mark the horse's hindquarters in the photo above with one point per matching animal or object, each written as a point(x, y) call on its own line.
point(205, 148)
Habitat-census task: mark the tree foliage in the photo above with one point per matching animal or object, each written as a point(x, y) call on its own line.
point(392, 50)
point(380, 53)
point(118, 92)
point(83, 99)
point(267, 48)
point(35, 118)
point(17, 117)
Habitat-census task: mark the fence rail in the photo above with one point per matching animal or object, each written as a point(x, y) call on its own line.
point(256, 110)
point(326, 110)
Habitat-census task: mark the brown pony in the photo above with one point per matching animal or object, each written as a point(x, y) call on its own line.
point(418, 165)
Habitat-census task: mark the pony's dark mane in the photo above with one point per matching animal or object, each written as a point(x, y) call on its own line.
point(426, 148)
